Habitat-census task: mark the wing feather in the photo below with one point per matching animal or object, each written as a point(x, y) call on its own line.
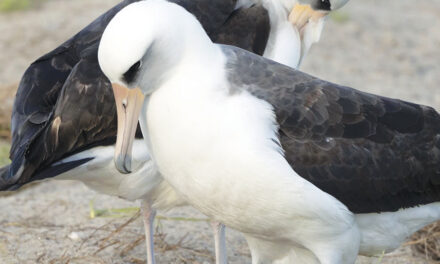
point(373, 153)
point(38, 98)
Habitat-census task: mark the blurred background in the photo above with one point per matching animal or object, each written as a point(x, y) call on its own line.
point(388, 47)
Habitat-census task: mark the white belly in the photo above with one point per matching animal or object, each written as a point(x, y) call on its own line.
point(218, 152)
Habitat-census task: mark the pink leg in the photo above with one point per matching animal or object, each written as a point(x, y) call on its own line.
point(148, 215)
point(220, 243)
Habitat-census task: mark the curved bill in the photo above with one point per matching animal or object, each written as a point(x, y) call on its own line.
point(128, 106)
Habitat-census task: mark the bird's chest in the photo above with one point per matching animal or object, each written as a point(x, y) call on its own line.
point(208, 147)
point(184, 129)
point(201, 141)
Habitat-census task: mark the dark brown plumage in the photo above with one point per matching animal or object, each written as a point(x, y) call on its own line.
point(373, 153)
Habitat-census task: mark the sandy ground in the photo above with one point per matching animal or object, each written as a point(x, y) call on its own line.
point(385, 47)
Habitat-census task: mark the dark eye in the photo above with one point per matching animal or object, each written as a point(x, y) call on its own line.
point(322, 5)
point(131, 73)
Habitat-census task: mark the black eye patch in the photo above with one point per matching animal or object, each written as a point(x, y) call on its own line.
point(322, 5)
point(129, 75)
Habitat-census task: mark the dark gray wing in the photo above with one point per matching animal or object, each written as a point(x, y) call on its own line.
point(64, 103)
point(212, 14)
point(83, 113)
point(246, 28)
point(373, 153)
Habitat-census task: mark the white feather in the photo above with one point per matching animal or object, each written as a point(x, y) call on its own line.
point(101, 175)
point(388, 230)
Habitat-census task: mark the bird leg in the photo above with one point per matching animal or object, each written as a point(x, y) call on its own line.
point(220, 243)
point(148, 215)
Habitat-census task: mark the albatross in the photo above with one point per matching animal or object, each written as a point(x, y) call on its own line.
point(64, 117)
point(298, 164)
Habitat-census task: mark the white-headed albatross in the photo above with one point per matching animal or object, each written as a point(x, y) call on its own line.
point(296, 163)
point(58, 124)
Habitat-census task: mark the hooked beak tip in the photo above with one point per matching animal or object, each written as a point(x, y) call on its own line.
point(123, 164)
point(128, 106)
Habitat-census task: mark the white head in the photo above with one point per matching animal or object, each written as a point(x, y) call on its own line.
point(139, 47)
point(128, 52)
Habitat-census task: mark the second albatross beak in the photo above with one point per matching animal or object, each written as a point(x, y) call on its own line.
point(128, 106)
point(302, 14)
